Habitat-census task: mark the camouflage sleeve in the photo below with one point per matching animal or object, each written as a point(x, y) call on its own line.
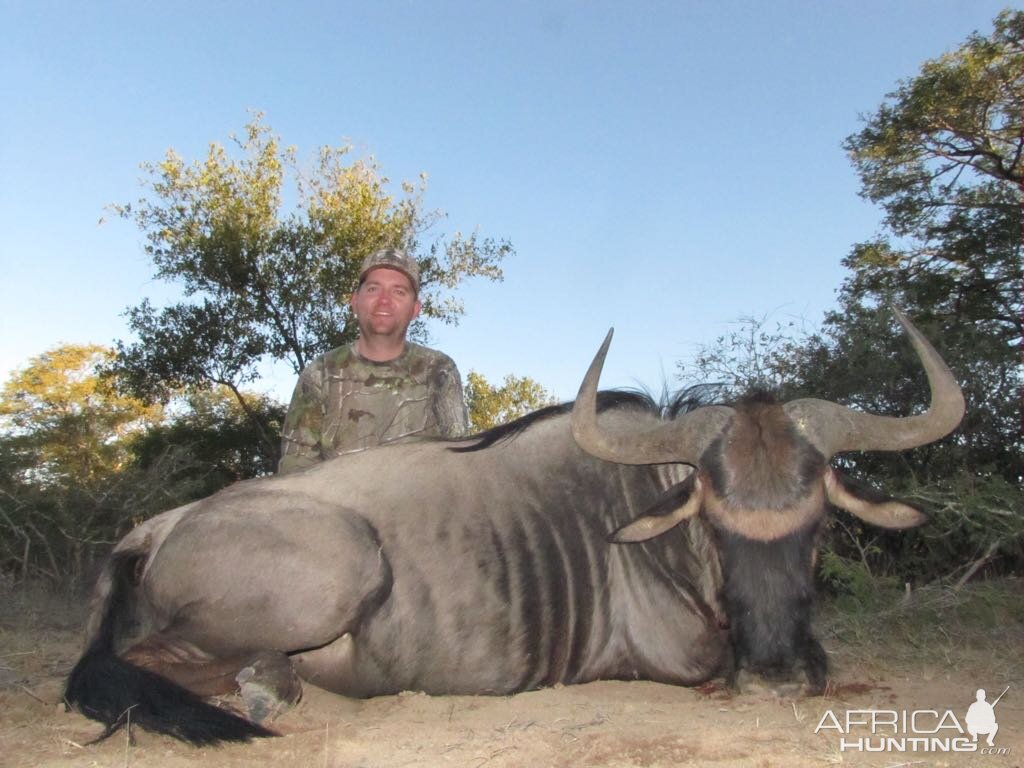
point(303, 425)
point(449, 404)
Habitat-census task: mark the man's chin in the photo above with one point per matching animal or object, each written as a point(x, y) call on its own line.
point(389, 330)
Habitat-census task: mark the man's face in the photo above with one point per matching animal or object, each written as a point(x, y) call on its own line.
point(385, 303)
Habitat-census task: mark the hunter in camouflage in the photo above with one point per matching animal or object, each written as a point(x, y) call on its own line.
point(379, 389)
point(344, 402)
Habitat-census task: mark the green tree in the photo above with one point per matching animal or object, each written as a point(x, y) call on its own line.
point(757, 355)
point(490, 406)
point(942, 156)
point(81, 463)
point(267, 281)
point(208, 444)
point(70, 424)
point(65, 436)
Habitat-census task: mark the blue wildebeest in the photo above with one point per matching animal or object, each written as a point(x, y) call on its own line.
point(483, 566)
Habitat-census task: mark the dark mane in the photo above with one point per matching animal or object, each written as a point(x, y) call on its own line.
point(613, 398)
point(671, 406)
point(692, 398)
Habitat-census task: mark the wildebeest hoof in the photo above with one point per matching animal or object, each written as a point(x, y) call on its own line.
point(269, 687)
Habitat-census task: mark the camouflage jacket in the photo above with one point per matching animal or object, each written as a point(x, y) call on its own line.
point(344, 402)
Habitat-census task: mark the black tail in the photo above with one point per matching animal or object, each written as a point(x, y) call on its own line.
point(106, 688)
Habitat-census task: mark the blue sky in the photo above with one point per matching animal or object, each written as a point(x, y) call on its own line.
point(661, 167)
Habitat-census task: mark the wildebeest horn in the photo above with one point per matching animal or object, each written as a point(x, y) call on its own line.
point(682, 440)
point(833, 428)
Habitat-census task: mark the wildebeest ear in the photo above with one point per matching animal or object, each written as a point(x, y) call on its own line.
point(869, 504)
point(678, 503)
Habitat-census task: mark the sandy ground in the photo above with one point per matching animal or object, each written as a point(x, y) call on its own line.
point(599, 724)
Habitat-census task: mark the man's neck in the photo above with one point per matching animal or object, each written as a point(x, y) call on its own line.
point(379, 350)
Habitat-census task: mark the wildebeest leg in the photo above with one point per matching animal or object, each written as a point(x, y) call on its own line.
point(338, 667)
point(266, 680)
point(295, 581)
point(185, 664)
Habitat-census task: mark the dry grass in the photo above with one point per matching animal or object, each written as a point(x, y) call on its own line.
point(979, 628)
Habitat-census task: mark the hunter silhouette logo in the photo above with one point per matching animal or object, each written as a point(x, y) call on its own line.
point(981, 717)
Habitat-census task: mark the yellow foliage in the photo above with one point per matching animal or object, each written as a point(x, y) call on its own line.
point(71, 419)
point(490, 406)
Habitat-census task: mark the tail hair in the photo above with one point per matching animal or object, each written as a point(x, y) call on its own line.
point(104, 687)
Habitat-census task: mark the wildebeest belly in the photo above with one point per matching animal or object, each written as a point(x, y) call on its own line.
point(495, 608)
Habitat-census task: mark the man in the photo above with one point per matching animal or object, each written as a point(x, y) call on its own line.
point(381, 388)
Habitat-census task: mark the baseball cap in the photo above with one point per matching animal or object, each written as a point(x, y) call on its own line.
point(392, 258)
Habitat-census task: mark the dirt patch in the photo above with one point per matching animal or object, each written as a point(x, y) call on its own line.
point(627, 724)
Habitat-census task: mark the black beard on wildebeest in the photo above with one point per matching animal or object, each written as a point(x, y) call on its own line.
point(768, 594)
point(483, 566)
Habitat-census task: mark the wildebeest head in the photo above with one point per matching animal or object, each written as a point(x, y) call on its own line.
point(762, 477)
